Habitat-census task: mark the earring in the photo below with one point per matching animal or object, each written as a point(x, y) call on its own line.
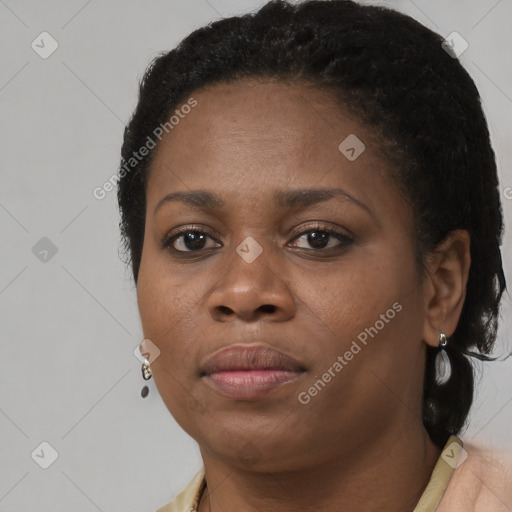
point(146, 370)
point(442, 362)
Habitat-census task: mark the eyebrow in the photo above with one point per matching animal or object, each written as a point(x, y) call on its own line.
point(284, 199)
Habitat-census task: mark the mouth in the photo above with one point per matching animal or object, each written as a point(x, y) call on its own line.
point(248, 372)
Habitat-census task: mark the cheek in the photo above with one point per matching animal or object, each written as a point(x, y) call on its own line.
point(169, 319)
point(169, 315)
point(171, 308)
point(352, 296)
point(368, 308)
point(160, 300)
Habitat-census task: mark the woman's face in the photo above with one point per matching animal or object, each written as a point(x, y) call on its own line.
point(265, 271)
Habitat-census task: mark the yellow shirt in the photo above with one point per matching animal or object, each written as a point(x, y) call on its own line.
point(453, 456)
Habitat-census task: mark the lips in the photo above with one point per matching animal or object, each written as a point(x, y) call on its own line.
point(248, 372)
point(250, 357)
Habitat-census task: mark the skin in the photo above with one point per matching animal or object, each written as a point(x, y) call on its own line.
point(244, 141)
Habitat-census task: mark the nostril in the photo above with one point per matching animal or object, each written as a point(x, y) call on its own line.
point(267, 308)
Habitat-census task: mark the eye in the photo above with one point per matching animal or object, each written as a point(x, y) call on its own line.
point(320, 237)
point(190, 239)
point(187, 240)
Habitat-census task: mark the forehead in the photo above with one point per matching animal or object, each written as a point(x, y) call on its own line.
point(250, 135)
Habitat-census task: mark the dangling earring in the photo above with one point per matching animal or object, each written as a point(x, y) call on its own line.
point(146, 370)
point(442, 363)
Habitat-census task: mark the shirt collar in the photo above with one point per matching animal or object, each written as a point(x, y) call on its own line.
point(188, 499)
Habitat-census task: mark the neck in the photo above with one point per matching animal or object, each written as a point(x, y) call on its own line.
point(386, 474)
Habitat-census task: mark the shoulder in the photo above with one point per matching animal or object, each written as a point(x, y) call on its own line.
point(187, 500)
point(481, 483)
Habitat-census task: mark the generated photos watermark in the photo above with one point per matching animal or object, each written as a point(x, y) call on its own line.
point(109, 185)
point(305, 397)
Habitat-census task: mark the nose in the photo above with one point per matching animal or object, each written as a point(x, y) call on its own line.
point(251, 292)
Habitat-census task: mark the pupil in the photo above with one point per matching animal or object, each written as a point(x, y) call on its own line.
point(318, 241)
point(194, 240)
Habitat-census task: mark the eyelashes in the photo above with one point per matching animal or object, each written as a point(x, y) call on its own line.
point(193, 236)
point(192, 240)
point(327, 234)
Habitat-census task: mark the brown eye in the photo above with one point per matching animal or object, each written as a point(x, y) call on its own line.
point(319, 239)
point(190, 240)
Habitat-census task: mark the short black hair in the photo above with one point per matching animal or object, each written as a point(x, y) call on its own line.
point(394, 74)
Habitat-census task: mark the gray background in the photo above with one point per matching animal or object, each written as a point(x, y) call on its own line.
point(69, 325)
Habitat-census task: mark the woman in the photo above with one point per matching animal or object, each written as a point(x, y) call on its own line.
point(310, 203)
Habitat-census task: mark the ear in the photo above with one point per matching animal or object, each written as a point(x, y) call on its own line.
point(445, 285)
